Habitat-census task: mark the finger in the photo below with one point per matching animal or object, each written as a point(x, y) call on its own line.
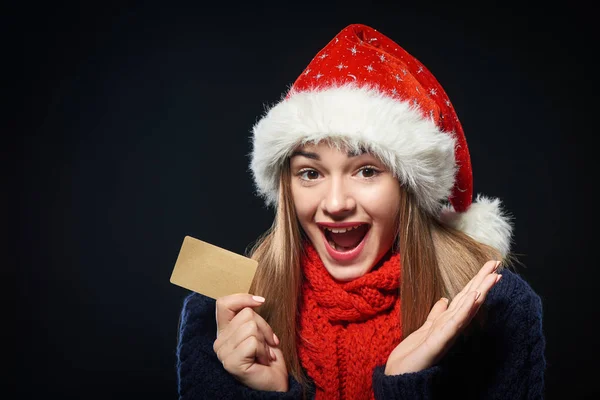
point(458, 305)
point(234, 334)
point(459, 319)
point(249, 351)
point(245, 315)
point(487, 268)
point(438, 308)
point(250, 328)
point(227, 307)
point(485, 286)
point(440, 335)
point(239, 361)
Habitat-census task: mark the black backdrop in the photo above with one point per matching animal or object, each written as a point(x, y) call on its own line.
point(132, 131)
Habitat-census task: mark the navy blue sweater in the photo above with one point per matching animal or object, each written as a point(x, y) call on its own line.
point(501, 359)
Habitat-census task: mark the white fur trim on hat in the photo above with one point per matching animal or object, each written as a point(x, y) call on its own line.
point(418, 153)
point(484, 221)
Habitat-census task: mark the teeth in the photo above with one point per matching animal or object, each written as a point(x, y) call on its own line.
point(342, 230)
point(336, 247)
point(332, 244)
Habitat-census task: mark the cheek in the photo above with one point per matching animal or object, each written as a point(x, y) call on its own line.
point(383, 205)
point(303, 203)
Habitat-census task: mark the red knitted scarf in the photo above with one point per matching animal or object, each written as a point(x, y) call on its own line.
point(347, 329)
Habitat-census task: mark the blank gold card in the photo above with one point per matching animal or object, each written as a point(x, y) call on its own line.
point(212, 271)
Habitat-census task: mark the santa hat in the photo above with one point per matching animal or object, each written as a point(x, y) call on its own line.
point(366, 90)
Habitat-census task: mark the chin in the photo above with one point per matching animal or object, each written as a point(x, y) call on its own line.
point(346, 274)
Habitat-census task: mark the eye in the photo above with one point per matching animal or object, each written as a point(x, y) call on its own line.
point(367, 172)
point(308, 174)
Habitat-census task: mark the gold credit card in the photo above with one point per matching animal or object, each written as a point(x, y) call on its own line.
point(212, 271)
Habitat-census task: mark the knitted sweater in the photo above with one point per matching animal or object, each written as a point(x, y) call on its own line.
point(503, 360)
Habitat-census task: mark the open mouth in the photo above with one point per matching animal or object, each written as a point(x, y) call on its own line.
point(345, 239)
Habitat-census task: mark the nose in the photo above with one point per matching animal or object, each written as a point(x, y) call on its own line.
point(338, 200)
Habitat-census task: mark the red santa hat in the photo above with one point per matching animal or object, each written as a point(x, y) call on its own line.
point(367, 91)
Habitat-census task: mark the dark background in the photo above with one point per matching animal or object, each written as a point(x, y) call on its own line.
point(132, 130)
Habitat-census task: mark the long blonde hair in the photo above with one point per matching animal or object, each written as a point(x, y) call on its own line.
point(436, 261)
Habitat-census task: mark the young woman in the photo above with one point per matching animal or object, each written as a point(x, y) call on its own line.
point(379, 277)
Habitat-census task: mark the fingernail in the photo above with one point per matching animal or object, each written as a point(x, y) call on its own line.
point(260, 299)
point(477, 295)
point(276, 339)
point(497, 264)
point(498, 277)
point(445, 300)
point(272, 353)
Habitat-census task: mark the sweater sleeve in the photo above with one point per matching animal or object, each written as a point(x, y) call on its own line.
point(414, 385)
point(504, 360)
point(515, 326)
point(200, 374)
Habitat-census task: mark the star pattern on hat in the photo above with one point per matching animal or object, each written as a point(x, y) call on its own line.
point(374, 70)
point(366, 57)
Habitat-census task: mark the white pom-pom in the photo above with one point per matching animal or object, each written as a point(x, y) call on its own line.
point(484, 221)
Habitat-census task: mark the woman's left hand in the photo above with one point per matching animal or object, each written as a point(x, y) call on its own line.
point(426, 346)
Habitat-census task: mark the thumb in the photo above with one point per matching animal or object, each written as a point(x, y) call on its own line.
point(228, 306)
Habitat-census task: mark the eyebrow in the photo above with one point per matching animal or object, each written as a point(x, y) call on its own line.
point(315, 156)
point(360, 152)
point(312, 156)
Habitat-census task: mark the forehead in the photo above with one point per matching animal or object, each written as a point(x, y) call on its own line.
point(350, 149)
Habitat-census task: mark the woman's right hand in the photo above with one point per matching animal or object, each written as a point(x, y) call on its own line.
point(247, 346)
